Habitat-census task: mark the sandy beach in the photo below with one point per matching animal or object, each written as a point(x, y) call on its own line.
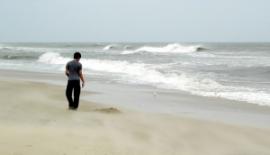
point(35, 120)
point(99, 77)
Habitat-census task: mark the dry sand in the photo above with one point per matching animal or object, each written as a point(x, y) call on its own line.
point(34, 120)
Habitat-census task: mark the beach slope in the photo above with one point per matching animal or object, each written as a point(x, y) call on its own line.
point(34, 119)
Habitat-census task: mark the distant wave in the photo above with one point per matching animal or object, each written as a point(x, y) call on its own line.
point(2, 46)
point(18, 55)
point(140, 73)
point(170, 48)
point(13, 57)
point(109, 47)
point(29, 49)
point(115, 46)
point(127, 47)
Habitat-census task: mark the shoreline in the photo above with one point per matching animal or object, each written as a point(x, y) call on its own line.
point(142, 99)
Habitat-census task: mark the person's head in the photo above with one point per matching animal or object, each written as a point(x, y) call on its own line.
point(77, 55)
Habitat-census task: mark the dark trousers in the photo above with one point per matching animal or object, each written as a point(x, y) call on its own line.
point(74, 87)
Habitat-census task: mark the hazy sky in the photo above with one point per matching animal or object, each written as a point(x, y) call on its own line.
point(134, 20)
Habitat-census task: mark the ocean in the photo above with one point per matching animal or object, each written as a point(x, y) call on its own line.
point(234, 71)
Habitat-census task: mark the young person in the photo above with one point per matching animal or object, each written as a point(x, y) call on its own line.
point(74, 74)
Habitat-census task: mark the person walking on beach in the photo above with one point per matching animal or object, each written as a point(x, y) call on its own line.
point(74, 74)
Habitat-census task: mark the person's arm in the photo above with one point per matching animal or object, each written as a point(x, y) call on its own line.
point(82, 78)
point(67, 71)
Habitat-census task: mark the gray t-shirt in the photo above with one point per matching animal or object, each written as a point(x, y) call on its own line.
point(74, 68)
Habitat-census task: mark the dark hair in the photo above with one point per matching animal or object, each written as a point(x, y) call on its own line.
point(77, 55)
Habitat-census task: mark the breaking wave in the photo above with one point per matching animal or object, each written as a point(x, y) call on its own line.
point(141, 73)
point(170, 48)
point(108, 47)
point(52, 58)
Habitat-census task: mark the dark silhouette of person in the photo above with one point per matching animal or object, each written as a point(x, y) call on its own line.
point(74, 74)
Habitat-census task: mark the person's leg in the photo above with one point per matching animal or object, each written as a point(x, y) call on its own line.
point(77, 91)
point(69, 94)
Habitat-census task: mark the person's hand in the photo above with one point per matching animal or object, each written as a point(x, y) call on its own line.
point(67, 73)
point(83, 84)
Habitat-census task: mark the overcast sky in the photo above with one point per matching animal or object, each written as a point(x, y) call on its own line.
point(134, 20)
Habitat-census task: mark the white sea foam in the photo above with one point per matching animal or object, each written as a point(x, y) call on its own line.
point(246, 95)
point(140, 73)
point(52, 58)
point(170, 48)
